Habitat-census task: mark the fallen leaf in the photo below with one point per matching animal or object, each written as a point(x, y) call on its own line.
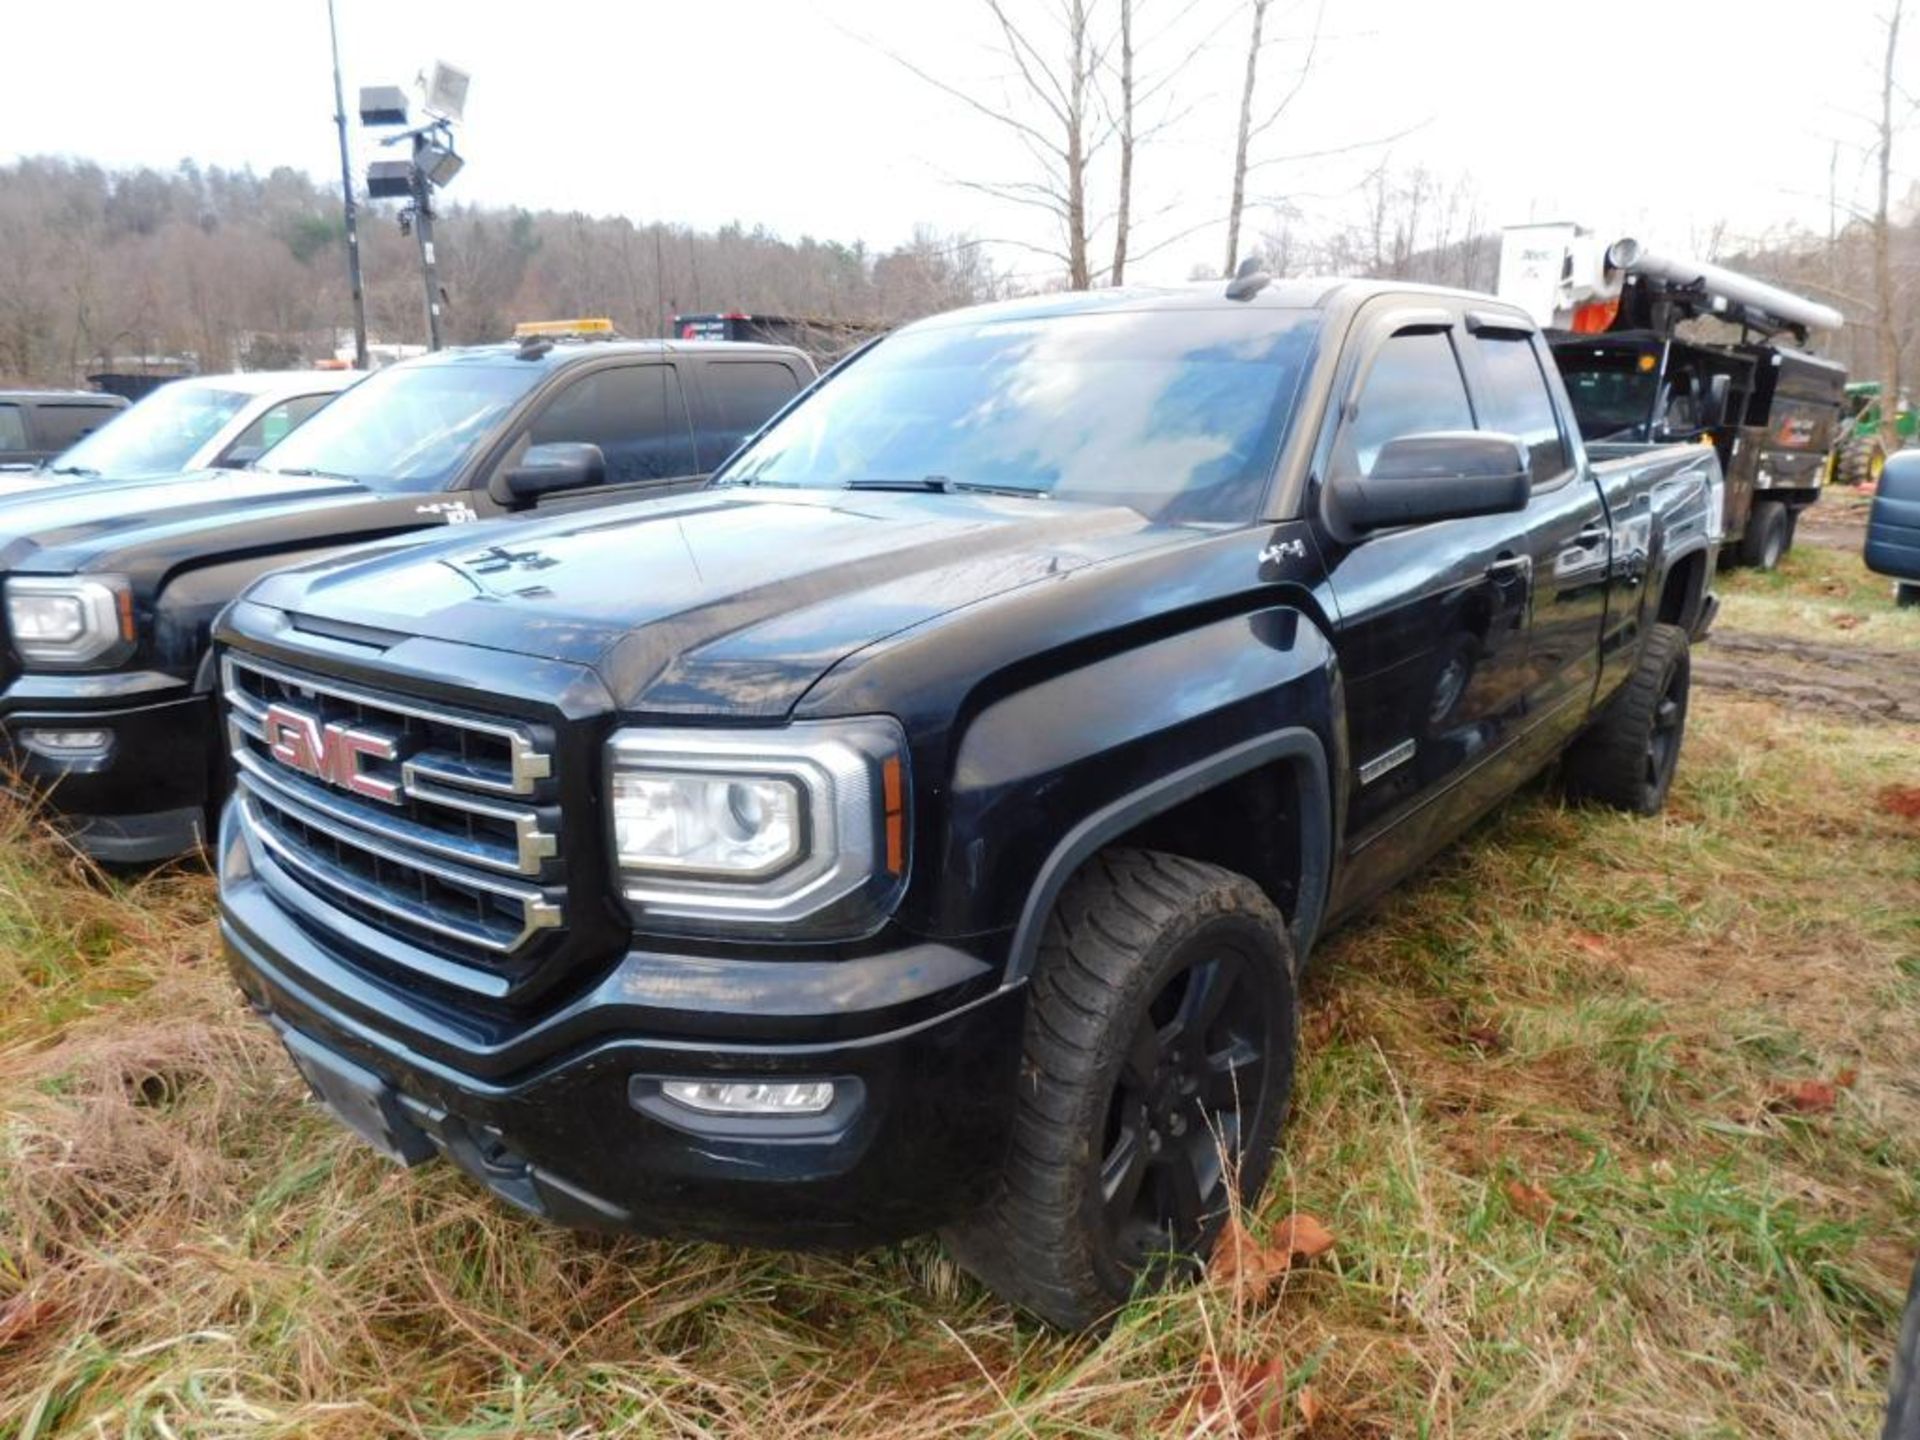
point(1242, 1263)
point(1255, 1395)
point(1302, 1235)
point(1530, 1200)
point(1804, 1097)
point(1310, 1407)
point(23, 1315)
point(1901, 800)
point(1846, 1078)
point(1846, 621)
point(1593, 944)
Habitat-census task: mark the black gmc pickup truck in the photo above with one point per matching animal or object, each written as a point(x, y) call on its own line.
point(924, 824)
point(106, 675)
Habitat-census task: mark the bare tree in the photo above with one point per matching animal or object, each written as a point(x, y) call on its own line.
point(1243, 137)
point(1123, 209)
point(1055, 118)
point(1883, 291)
point(1250, 130)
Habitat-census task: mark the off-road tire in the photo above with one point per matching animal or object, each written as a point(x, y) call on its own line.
point(1126, 929)
point(1906, 595)
point(1861, 460)
point(1620, 760)
point(1769, 535)
point(1903, 1403)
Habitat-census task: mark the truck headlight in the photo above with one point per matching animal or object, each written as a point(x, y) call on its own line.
point(800, 830)
point(60, 620)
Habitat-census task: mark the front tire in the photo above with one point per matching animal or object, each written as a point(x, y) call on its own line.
point(1627, 757)
point(1158, 1066)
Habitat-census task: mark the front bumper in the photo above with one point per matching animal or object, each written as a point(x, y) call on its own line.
point(142, 795)
point(562, 1115)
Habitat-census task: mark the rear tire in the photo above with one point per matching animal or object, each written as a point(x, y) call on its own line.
point(1158, 1065)
point(1628, 755)
point(1906, 596)
point(1769, 534)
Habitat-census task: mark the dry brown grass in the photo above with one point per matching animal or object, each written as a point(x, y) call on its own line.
point(1539, 1108)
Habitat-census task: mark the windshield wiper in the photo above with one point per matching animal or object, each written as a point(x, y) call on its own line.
point(307, 472)
point(74, 470)
point(941, 485)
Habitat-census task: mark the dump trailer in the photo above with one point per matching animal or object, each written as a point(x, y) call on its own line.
point(1739, 378)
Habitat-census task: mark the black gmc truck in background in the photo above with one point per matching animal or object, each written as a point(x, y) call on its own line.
point(924, 823)
point(106, 681)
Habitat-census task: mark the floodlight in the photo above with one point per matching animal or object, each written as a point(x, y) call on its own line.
point(383, 105)
point(438, 163)
point(447, 91)
point(390, 179)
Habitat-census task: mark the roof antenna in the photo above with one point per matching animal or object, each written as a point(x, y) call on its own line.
point(1249, 280)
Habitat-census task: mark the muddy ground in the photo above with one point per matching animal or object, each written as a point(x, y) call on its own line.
point(1848, 680)
point(1857, 683)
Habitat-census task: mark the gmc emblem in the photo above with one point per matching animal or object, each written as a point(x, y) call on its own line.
point(331, 752)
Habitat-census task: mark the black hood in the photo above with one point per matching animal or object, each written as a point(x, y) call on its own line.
point(728, 601)
point(142, 526)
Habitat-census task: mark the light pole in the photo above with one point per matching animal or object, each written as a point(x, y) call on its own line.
point(434, 163)
point(346, 199)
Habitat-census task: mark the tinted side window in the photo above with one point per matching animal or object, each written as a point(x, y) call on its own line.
point(13, 429)
point(1414, 387)
point(1517, 401)
point(274, 425)
point(741, 397)
point(635, 414)
point(61, 425)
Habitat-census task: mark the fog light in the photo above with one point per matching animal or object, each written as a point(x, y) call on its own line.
point(67, 744)
point(751, 1097)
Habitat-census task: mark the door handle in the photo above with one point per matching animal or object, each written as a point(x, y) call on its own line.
point(1591, 536)
point(1508, 567)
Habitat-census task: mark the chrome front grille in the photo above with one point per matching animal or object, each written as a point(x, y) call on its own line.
point(413, 817)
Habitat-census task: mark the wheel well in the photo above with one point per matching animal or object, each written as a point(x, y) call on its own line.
point(1680, 597)
point(1251, 824)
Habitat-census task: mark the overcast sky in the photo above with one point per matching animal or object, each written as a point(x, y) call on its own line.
point(791, 113)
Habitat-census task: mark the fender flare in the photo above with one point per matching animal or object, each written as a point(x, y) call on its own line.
point(1093, 834)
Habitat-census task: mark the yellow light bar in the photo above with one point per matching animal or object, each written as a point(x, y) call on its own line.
point(526, 328)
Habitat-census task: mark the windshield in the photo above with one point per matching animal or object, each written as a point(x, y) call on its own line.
point(1612, 395)
point(156, 437)
point(408, 428)
point(1178, 414)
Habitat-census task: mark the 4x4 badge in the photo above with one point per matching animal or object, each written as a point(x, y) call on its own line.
point(1283, 550)
point(332, 752)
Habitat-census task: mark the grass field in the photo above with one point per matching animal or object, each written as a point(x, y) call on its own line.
point(1615, 1125)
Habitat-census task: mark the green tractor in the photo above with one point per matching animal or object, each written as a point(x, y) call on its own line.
point(1861, 454)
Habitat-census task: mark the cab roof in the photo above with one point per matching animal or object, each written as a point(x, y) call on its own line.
point(553, 351)
point(1305, 293)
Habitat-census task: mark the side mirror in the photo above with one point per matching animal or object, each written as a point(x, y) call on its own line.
point(562, 465)
point(1443, 475)
point(1719, 392)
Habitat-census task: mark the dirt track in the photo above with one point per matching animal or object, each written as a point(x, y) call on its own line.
point(1838, 522)
point(1857, 683)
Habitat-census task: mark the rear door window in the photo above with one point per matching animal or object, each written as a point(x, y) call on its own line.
point(275, 424)
point(13, 429)
point(61, 425)
point(636, 414)
point(1414, 387)
point(1516, 401)
point(741, 396)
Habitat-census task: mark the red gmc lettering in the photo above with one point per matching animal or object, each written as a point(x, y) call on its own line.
point(331, 752)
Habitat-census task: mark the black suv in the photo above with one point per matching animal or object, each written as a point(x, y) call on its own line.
point(110, 587)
